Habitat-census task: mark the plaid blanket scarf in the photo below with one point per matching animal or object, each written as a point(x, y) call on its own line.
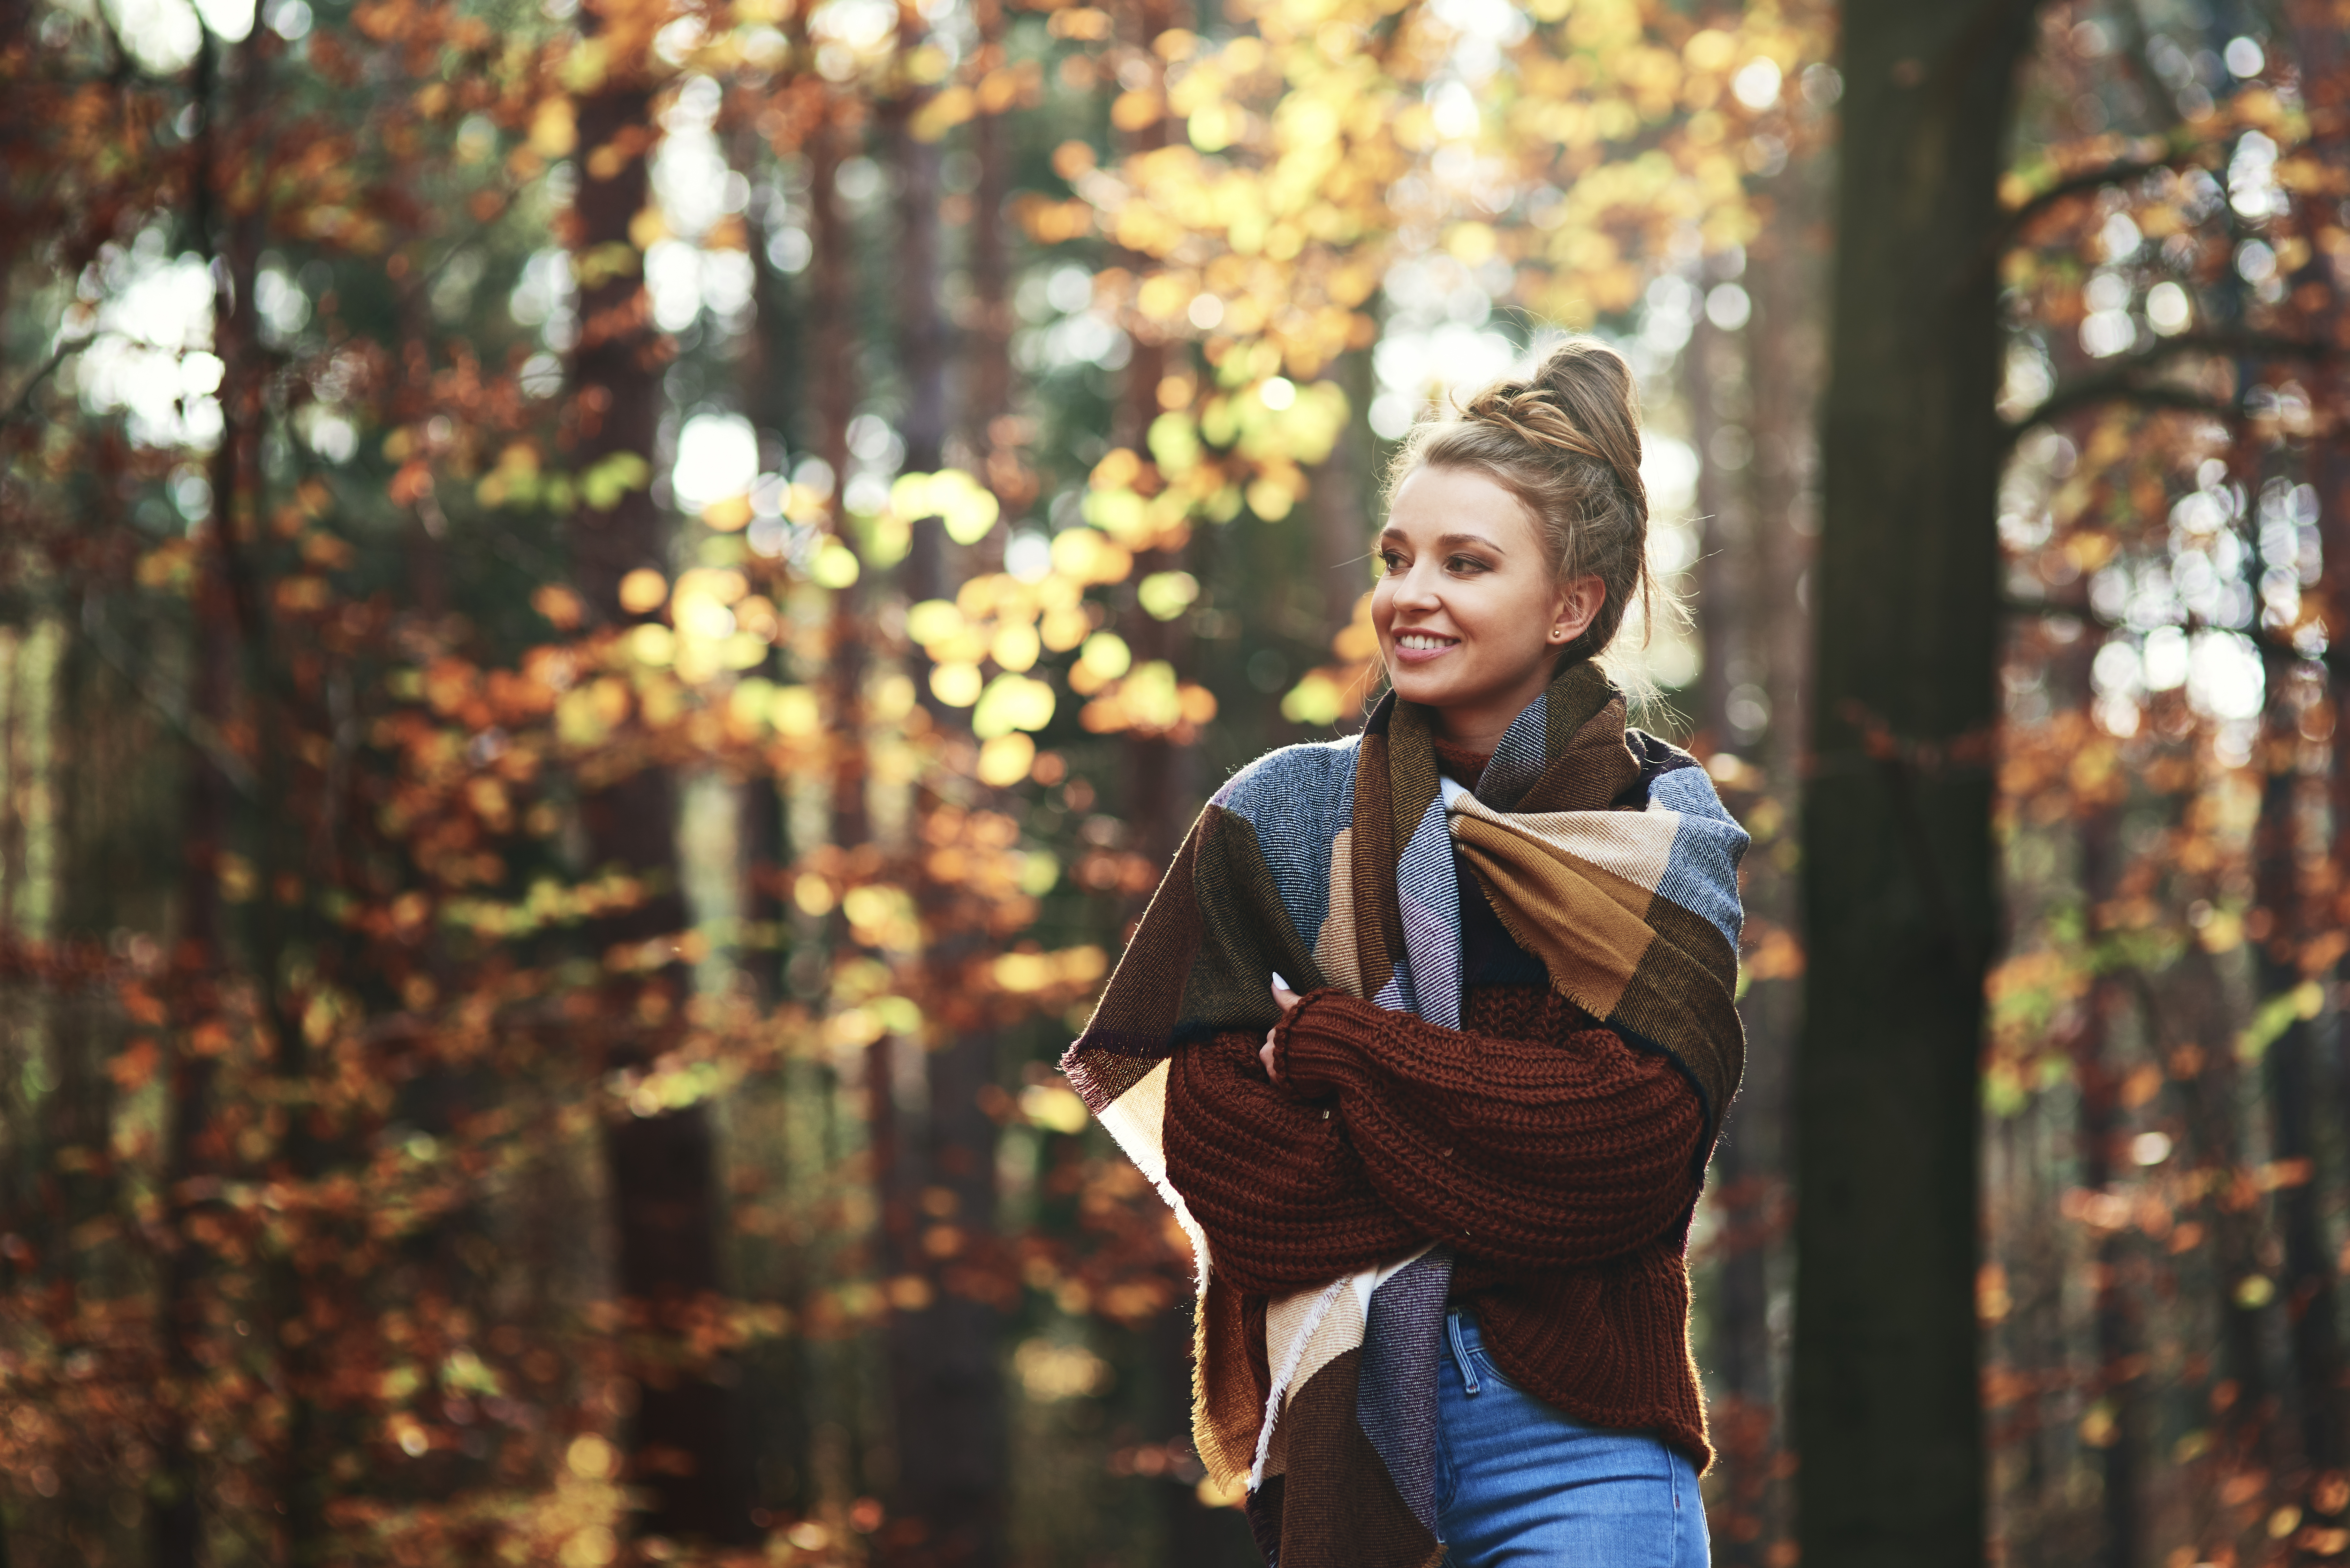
point(1604, 852)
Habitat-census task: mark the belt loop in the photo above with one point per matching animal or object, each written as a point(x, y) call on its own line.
point(1460, 1354)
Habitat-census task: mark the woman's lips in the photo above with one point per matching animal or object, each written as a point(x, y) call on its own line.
point(1405, 654)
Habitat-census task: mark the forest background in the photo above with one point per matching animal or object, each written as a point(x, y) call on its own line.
point(610, 609)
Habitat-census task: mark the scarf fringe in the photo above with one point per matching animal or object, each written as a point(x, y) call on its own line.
point(1289, 1363)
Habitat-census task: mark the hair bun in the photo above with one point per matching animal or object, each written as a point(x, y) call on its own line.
point(1591, 383)
point(1534, 414)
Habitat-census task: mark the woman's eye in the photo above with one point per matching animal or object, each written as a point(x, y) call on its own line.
point(1466, 564)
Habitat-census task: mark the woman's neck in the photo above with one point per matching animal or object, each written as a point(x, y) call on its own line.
point(1478, 727)
point(1481, 735)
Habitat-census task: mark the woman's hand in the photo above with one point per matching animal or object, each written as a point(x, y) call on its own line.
point(1287, 999)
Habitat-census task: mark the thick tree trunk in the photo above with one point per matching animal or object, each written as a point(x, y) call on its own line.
point(2307, 1290)
point(684, 1457)
point(1898, 882)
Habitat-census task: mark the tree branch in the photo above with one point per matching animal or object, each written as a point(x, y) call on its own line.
point(2093, 180)
point(193, 728)
point(22, 403)
point(2123, 383)
point(2265, 639)
point(2118, 386)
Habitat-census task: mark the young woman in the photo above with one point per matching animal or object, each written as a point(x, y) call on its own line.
point(1439, 1189)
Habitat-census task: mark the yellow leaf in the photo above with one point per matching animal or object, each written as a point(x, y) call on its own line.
point(643, 591)
point(1006, 760)
point(555, 128)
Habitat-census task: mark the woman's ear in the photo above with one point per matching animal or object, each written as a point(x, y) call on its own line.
point(1574, 607)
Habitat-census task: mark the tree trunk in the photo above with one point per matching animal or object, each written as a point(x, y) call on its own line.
point(1725, 527)
point(224, 619)
point(2117, 1327)
point(1337, 508)
point(1899, 909)
point(683, 1454)
point(2323, 52)
point(832, 293)
point(1157, 785)
point(947, 1393)
point(1729, 604)
point(2189, 1021)
point(773, 359)
point(2307, 1288)
point(994, 429)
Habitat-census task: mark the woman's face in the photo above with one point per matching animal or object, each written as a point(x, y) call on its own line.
point(1469, 615)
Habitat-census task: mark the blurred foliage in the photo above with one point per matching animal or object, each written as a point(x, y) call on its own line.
point(309, 1061)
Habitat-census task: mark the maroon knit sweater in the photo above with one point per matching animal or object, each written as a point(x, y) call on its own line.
point(1558, 1162)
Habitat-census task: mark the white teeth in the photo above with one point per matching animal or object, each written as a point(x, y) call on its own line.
point(1416, 641)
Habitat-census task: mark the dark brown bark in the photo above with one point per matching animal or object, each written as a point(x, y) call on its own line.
point(937, 1177)
point(773, 359)
point(1339, 505)
point(1156, 777)
point(1713, 365)
point(777, 1392)
point(988, 345)
point(1158, 790)
point(2332, 478)
point(947, 1392)
point(832, 292)
point(227, 634)
point(684, 1457)
point(2312, 1303)
point(833, 302)
point(2306, 1288)
point(2188, 1021)
point(836, 387)
point(1765, 381)
point(1729, 608)
point(1899, 901)
point(2120, 1365)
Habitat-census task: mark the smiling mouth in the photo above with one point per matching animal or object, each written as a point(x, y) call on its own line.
point(1424, 641)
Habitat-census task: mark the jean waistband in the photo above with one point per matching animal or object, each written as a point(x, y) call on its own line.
point(1461, 1333)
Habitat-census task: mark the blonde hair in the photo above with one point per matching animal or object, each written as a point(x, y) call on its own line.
point(1565, 440)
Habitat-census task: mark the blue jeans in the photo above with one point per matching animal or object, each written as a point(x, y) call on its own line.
point(1521, 1484)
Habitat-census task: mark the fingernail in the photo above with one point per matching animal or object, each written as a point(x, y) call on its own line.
point(1279, 983)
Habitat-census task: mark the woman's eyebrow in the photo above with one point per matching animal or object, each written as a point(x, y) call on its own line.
point(1398, 535)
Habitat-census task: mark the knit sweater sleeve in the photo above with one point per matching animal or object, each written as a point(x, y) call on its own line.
point(1545, 1144)
point(1275, 1182)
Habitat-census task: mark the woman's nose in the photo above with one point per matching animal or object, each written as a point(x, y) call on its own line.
point(1417, 590)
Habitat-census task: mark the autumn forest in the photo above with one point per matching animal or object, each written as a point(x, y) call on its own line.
point(609, 610)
